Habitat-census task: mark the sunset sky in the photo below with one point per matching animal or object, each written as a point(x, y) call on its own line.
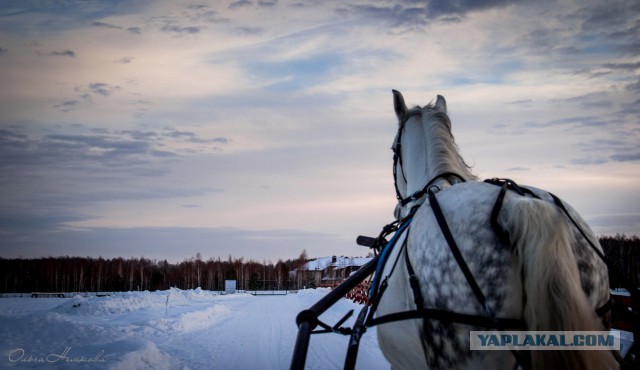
point(261, 128)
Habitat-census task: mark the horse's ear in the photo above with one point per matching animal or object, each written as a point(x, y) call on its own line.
point(441, 104)
point(399, 106)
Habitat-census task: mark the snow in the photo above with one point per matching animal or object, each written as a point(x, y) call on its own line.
point(174, 329)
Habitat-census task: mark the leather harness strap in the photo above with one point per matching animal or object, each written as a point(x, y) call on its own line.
point(489, 319)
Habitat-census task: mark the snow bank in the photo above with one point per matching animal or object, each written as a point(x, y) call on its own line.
point(173, 329)
point(124, 302)
point(200, 320)
point(149, 357)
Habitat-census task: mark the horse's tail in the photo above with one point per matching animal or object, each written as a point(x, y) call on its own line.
point(554, 298)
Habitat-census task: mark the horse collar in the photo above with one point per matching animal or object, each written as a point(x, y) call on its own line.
point(451, 177)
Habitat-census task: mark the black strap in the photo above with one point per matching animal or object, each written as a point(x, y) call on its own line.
point(560, 205)
point(379, 285)
point(605, 308)
point(451, 316)
point(455, 250)
point(512, 186)
point(418, 300)
point(635, 297)
point(413, 281)
point(377, 296)
point(420, 193)
point(490, 320)
point(507, 184)
point(502, 234)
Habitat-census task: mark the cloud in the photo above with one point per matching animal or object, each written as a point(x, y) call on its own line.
point(163, 154)
point(594, 100)
point(103, 89)
point(545, 40)
point(400, 15)
point(521, 102)
point(608, 69)
point(267, 3)
point(632, 108)
point(604, 150)
point(608, 15)
point(589, 161)
point(250, 30)
point(85, 94)
point(67, 105)
point(626, 67)
point(240, 4)
point(612, 223)
point(19, 221)
point(204, 13)
point(140, 135)
point(181, 30)
point(633, 87)
point(626, 157)
point(518, 169)
point(298, 98)
point(584, 121)
point(173, 243)
point(410, 15)
point(617, 22)
point(111, 145)
point(73, 152)
point(105, 25)
point(193, 137)
point(63, 53)
point(3, 50)
point(125, 60)
point(134, 152)
point(437, 8)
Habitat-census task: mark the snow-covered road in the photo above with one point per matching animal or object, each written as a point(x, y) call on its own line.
point(172, 329)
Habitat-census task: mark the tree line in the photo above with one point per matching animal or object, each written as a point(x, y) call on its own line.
point(624, 253)
point(87, 274)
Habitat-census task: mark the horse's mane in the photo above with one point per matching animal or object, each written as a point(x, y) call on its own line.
point(443, 149)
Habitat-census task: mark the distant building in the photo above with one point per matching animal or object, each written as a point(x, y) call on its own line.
point(328, 271)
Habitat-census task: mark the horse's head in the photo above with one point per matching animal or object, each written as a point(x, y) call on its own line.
point(425, 154)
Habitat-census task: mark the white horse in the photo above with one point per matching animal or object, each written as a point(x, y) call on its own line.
point(545, 274)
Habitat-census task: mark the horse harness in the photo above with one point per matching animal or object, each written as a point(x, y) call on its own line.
point(399, 227)
point(488, 319)
point(402, 226)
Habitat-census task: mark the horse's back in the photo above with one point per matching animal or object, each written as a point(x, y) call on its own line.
point(467, 208)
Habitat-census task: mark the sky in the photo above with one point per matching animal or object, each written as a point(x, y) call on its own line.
point(257, 129)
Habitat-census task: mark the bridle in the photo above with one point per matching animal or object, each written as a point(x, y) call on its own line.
point(451, 177)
